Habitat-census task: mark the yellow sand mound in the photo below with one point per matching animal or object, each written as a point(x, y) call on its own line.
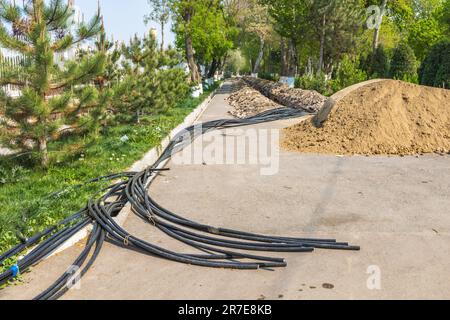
point(388, 117)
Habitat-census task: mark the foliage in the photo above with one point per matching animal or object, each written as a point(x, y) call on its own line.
point(236, 64)
point(30, 198)
point(423, 34)
point(404, 63)
point(376, 64)
point(435, 69)
point(160, 13)
point(103, 87)
point(38, 31)
point(152, 81)
point(338, 23)
point(317, 82)
point(208, 29)
point(269, 76)
point(347, 74)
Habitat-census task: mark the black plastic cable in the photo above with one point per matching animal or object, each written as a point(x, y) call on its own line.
point(217, 245)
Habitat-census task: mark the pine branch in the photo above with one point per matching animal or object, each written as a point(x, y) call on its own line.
point(9, 12)
point(59, 14)
point(85, 71)
point(11, 81)
point(8, 41)
point(63, 44)
point(86, 32)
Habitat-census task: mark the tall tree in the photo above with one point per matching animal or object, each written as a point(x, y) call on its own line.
point(253, 17)
point(152, 82)
point(336, 25)
point(184, 12)
point(160, 13)
point(378, 23)
point(204, 31)
point(38, 30)
point(291, 24)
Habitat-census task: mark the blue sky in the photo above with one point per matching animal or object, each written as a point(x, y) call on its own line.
point(123, 18)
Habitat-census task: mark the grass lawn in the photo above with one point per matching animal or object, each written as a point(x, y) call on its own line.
point(27, 208)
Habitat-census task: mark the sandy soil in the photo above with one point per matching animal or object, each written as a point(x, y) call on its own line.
point(389, 117)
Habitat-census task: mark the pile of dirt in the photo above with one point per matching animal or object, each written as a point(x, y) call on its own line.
point(247, 102)
point(307, 100)
point(388, 117)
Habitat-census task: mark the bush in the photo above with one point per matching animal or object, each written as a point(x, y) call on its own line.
point(404, 64)
point(435, 69)
point(347, 74)
point(316, 82)
point(269, 76)
point(380, 63)
point(376, 64)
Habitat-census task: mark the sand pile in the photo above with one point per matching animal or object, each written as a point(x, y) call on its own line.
point(247, 102)
point(388, 117)
point(307, 100)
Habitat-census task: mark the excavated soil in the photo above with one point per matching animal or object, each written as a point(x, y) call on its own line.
point(247, 102)
point(384, 118)
point(307, 100)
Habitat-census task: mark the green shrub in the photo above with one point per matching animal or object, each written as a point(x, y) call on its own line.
point(380, 63)
point(347, 74)
point(404, 64)
point(435, 69)
point(376, 64)
point(269, 76)
point(316, 82)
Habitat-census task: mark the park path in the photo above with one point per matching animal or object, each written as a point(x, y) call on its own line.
point(395, 208)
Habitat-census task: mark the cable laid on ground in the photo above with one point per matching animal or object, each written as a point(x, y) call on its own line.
point(221, 248)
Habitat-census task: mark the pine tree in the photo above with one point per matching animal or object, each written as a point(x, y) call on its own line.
point(153, 82)
point(104, 86)
point(40, 30)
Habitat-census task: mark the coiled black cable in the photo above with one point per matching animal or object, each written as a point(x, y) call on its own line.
point(215, 243)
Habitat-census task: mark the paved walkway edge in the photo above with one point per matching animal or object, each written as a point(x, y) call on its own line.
point(149, 158)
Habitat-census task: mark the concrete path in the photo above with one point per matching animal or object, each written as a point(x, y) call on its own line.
point(396, 209)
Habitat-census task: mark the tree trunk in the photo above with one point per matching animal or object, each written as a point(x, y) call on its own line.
point(260, 55)
point(292, 59)
point(213, 68)
point(162, 35)
point(195, 75)
point(288, 60)
point(43, 151)
point(322, 45)
point(376, 34)
point(284, 61)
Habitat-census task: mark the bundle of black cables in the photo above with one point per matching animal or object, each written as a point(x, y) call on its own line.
point(221, 248)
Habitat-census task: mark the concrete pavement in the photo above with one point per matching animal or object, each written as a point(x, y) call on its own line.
point(395, 208)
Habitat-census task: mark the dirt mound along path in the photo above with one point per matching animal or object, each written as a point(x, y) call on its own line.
point(247, 102)
point(388, 117)
point(307, 100)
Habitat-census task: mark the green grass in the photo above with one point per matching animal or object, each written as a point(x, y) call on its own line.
point(26, 207)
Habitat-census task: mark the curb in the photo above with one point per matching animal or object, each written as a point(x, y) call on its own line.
point(149, 158)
